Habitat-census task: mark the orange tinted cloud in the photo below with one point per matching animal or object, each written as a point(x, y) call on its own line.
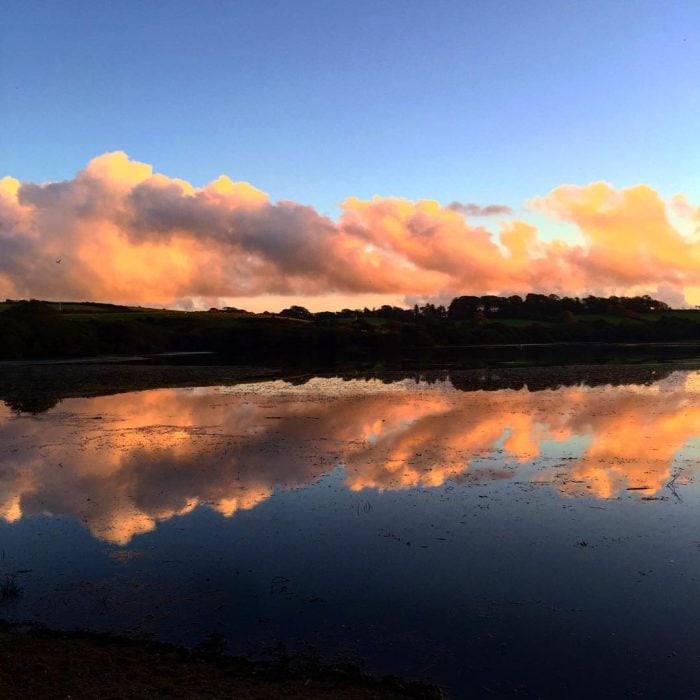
point(127, 234)
point(629, 239)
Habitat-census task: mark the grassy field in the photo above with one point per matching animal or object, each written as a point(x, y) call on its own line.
point(77, 307)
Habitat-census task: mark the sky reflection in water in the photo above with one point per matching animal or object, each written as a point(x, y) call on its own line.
point(477, 525)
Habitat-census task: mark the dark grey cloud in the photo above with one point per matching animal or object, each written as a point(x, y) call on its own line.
point(470, 209)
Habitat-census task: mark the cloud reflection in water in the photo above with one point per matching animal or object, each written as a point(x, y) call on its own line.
point(120, 464)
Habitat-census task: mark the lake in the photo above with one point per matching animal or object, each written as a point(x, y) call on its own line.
point(499, 532)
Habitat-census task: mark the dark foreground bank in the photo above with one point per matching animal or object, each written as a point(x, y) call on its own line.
point(43, 664)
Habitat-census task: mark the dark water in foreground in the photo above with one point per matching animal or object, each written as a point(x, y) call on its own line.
point(540, 542)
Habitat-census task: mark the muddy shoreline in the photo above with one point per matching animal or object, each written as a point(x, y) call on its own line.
point(37, 662)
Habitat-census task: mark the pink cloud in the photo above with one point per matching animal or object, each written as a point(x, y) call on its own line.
point(126, 234)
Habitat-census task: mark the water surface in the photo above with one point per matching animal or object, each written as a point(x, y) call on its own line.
point(511, 538)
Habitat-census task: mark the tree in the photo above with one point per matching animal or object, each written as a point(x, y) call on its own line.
point(297, 312)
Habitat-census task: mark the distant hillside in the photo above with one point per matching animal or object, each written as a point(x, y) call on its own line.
point(35, 329)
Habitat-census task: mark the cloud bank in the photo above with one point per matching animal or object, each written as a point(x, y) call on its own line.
point(126, 234)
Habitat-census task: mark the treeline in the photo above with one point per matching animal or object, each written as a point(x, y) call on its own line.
point(534, 307)
point(36, 329)
point(551, 306)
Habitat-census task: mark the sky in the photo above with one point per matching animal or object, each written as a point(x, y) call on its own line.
point(578, 120)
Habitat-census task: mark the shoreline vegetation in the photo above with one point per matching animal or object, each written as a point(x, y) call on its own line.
point(463, 331)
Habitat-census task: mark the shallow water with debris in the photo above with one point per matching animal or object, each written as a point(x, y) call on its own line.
point(534, 536)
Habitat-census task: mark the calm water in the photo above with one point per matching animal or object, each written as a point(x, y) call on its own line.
point(495, 541)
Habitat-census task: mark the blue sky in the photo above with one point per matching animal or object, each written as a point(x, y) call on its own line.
point(483, 101)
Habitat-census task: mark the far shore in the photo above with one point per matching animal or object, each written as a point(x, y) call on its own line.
point(471, 329)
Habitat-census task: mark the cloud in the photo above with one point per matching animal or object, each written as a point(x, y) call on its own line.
point(127, 234)
point(467, 209)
